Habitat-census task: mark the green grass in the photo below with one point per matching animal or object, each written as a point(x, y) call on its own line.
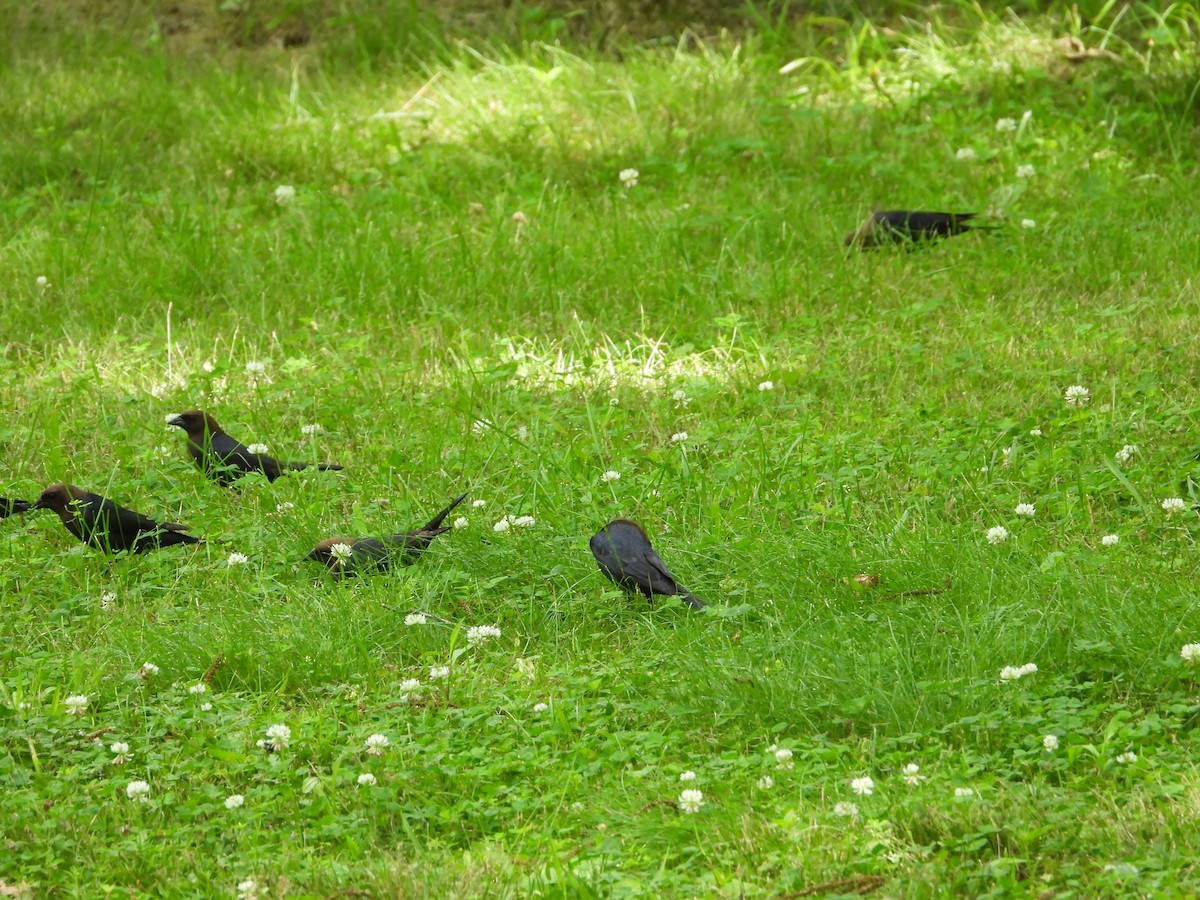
point(445, 343)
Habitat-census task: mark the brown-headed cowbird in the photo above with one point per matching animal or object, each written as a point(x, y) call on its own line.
point(624, 555)
point(225, 460)
point(13, 507)
point(902, 226)
point(371, 555)
point(103, 524)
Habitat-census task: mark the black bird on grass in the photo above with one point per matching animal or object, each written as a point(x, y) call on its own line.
point(902, 226)
point(13, 507)
point(224, 459)
point(372, 555)
point(624, 555)
point(107, 526)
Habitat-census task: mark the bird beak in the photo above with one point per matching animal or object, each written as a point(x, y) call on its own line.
point(177, 421)
point(39, 504)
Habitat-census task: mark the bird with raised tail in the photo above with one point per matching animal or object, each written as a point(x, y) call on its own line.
point(352, 556)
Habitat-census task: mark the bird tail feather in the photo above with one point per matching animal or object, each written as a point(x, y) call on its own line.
point(436, 522)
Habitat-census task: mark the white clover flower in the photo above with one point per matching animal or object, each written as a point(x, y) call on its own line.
point(524, 521)
point(997, 534)
point(121, 752)
point(311, 429)
point(502, 526)
point(437, 673)
point(42, 281)
point(1110, 540)
point(284, 506)
point(76, 704)
point(540, 707)
point(963, 793)
point(1076, 395)
point(237, 559)
point(681, 398)
point(461, 522)
point(1190, 653)
point(1174, 505)
point(687, 776)
point(285, 194)
point(259, 448)
point(766, 386)
point(279, 735)
point(845, 810)
point(1028, 224)
point(408, 685)
point(611, 475)
point(1050, 742)
point(416, 618)
point(1006, 125)
point(147, 670)
point(198, 688)
point(691, 800)
point(1025, 509)
point(526, 667)
point(247, 890)
point(783, 758)
point(341, 552)
point(479, 504)
point(376, 744)
point(863, 786)
point(205, 707)
point(1013, 673)
point(234, 801)
point(479, 634)
point(138, 790)
point(520, 218)
point(1126, 758)
point(107, 599)
point(629, 178)
point(254, 367)
point(366, 779)
point(478, 427)
point(1035, 432)
point(966, 154)
point(765, 783)
point(1126, 453)
point(912, 774)
point(679, 437)
point(1026, 171)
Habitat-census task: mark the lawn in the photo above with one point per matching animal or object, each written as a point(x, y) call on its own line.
point(926, 492)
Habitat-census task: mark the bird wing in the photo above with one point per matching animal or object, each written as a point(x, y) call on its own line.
point(661, 579)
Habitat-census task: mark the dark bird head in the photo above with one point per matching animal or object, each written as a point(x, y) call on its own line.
point(196, 423)
point(59, 498)
point(626, 530)
point(323, 552)
point(863, 235)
